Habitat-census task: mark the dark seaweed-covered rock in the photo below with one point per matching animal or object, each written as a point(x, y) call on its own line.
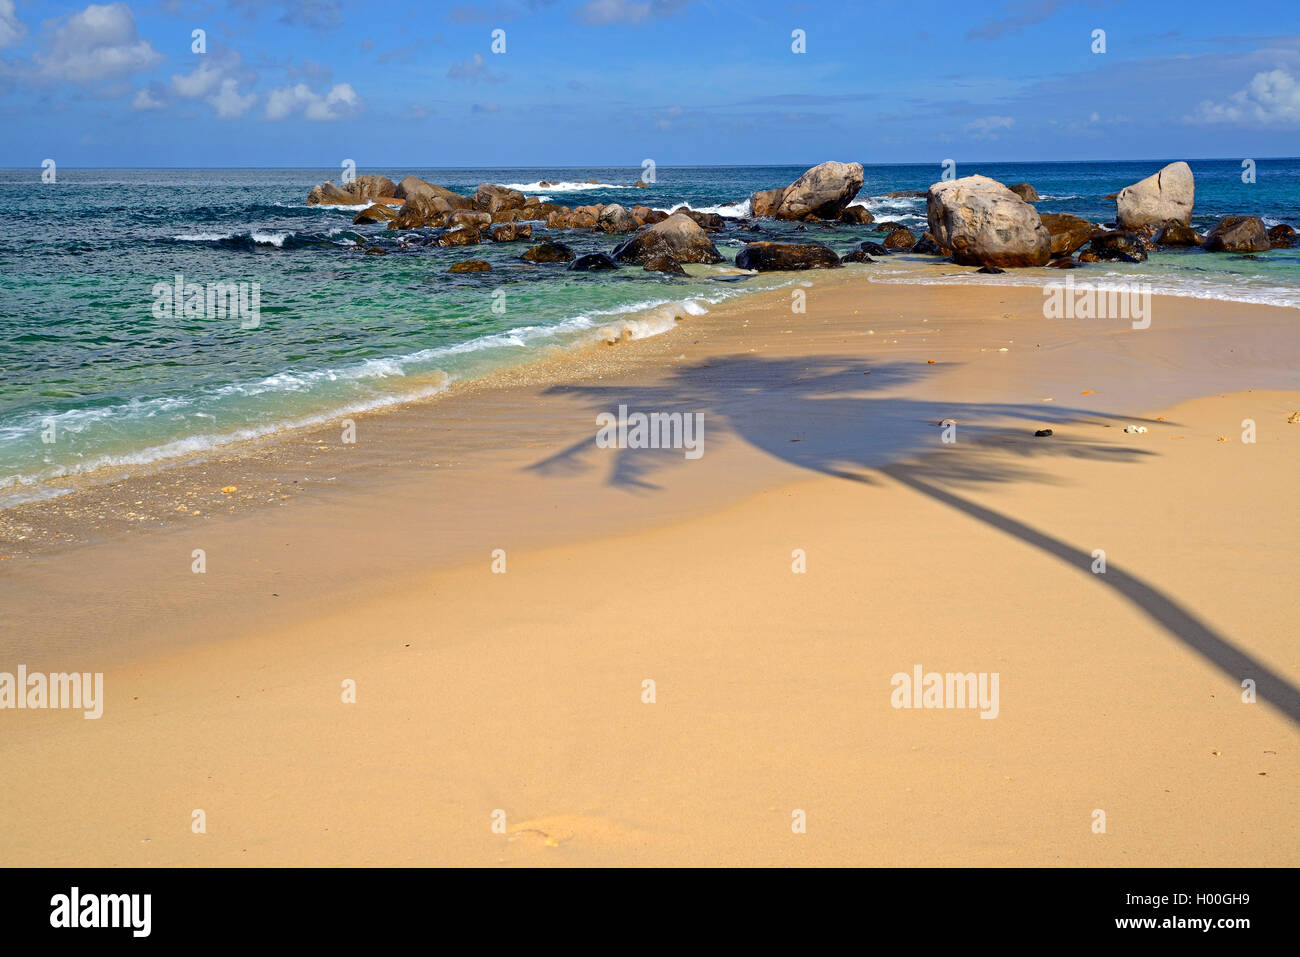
point(1115, 246)
point(768, 257)
point(592, 262)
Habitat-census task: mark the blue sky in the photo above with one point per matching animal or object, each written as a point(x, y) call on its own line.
point(303, 83)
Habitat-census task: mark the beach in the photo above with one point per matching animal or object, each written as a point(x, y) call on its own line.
point(493, 590)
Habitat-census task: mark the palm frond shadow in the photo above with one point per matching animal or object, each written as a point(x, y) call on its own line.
point(820, 414)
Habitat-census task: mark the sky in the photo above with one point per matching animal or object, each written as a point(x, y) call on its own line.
point(549, 83)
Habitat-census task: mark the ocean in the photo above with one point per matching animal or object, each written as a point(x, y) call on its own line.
point(93, 378)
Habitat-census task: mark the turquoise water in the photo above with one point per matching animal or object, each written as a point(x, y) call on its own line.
point(85, 360)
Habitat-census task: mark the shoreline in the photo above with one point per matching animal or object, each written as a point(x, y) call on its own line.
point(81, 490)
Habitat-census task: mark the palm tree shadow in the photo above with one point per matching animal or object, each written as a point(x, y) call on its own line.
point(819, 414)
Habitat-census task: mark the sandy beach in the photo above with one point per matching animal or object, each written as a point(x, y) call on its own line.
point(497, 590)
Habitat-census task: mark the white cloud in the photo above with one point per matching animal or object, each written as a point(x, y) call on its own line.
point(1269, 99)
point(99, 43)
point(146, 99)
point(341, 101)
point(11, 31)
point(986, 127)
point(204, 78)
point(216, 82)
point(229, 103)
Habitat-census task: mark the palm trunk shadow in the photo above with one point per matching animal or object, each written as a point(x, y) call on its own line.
point(1165, 612)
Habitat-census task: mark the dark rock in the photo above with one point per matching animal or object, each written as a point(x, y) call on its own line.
point(509, 232)
point(549, 252)
point(377, 213)
point(1042, 433)
point(767, 257)
point(1281, 236)
point(592, 262)
point(422, 210)
point(927, 246)
point(1238, 234)
point(1069, 233)
point(856, 256)
point(1064, 263)
point(1176, 235)
point(900, 239)
point(856, 216)
point(468, 217)
point(991, 270)
point(464, 236)
point(1025, 192)
point(471, 265)
point(874, 249)
point(1115, 246)
point(663, 263)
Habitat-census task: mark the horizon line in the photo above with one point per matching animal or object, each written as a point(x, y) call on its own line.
point(1147, 159)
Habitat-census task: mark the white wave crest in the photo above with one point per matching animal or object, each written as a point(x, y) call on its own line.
point(740, 209)
point(550, 187)
point(274, 239)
